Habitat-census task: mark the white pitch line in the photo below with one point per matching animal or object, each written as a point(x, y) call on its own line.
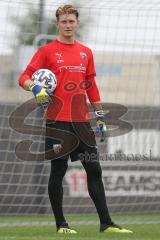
point(43, 224)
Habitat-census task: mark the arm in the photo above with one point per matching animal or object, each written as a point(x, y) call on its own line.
point(94, 97)
point(40, 93)
point(38, 61)
point(93, 94)
point(92, 90)
point(26, 82)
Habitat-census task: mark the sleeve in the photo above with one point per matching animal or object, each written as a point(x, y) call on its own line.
point(38, 61)
point(92, 91)
point(90, 71)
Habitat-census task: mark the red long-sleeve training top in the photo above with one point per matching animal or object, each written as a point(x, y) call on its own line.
point(73, 66)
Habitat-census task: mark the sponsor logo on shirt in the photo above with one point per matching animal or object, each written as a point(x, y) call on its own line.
point(74, 68)
point(60, 61)
point(59, 57)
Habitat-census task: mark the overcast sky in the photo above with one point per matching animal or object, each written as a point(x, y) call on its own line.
point(116, 24)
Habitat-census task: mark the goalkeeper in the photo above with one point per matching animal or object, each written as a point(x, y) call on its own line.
point(73, 65)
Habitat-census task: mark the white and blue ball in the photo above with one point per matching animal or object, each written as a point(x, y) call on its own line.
point(45, 78)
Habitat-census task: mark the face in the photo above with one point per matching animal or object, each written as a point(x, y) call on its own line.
point(67, 25)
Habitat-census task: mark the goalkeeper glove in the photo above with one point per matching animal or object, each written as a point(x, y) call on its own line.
point(101, 127)
point(40, 93)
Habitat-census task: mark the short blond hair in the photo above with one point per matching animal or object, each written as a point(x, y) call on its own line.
point(66, 9)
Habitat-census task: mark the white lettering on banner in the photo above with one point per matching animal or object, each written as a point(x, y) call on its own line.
point(77, 181)
point(136, 142)
point(117, 183)
point(132, 183)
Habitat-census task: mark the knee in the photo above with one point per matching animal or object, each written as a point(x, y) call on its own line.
point(58, 171)
point(56, 176)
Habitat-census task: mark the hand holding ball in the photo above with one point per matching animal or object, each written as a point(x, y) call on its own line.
point(44, 84)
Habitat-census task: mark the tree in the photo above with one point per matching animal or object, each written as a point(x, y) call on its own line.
point(28, 26)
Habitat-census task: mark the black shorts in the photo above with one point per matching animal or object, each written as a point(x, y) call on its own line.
point(77, 140)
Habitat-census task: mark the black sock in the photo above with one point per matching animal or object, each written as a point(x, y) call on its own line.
point(55, 189)
point(96, 190)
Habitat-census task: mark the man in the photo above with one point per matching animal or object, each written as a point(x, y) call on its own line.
point(73, 65)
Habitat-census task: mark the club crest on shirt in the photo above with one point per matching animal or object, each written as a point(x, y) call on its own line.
point(83, 55)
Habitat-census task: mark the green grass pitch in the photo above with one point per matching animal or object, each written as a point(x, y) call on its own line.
point(145, 227)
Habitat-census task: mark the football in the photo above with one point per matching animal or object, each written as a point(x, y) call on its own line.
point(45, 78)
